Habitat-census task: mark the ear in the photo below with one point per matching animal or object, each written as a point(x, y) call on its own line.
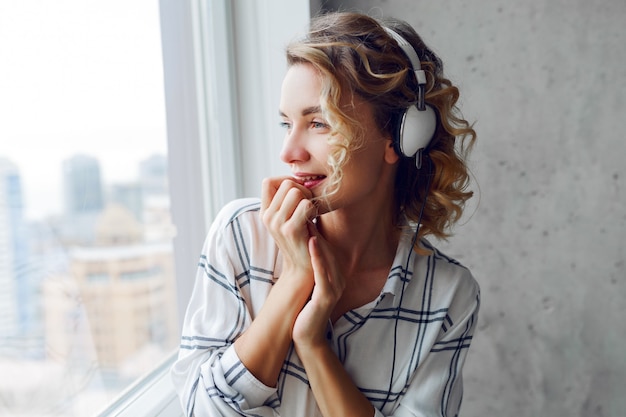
point(391, 156)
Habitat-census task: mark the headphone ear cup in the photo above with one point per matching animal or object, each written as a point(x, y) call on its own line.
point(416, 130)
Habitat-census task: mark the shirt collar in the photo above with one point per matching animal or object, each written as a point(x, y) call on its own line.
point(402, 268)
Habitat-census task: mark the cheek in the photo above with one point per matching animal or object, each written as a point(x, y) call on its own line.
point(321, 150)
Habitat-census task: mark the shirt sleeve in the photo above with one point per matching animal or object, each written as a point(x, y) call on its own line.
point(436, 389)
point(209, 377)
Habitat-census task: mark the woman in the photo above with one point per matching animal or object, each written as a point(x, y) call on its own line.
point(324, 298)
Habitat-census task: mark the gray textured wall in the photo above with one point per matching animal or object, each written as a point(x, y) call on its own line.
point(544, 80)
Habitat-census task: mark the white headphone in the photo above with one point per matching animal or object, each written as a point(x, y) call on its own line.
point(417, 124)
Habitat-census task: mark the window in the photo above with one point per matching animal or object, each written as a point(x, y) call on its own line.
point(87, 280)
point(84, 216)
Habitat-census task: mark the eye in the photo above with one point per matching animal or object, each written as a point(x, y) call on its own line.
point(319, 125)
point(285, 125)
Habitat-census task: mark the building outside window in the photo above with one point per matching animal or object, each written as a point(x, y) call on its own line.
point(87, 281)
point(94, 276)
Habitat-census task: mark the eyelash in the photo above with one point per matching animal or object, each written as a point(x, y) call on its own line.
point(314, 124)
point(319, 125)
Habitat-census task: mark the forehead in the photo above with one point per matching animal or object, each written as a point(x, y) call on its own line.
point(301, 88)
point(301, 91)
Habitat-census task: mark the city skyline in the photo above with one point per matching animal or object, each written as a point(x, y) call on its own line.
point(79, 78)
point(64, 282)
point(53, 203)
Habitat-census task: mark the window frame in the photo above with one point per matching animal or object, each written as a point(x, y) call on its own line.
point(223, 66)
point(221, 134)
point(153, 395)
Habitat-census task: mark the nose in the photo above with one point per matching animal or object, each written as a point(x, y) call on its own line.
point(294, 147)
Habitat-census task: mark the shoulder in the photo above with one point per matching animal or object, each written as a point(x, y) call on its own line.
point(238, 228)
point(237, 220)
point(246, 208)
point(446, 264)
point(239, 237)
point(452, 279)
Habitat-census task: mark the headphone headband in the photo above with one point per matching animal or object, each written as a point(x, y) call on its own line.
point(418, 123)
point(410, 53)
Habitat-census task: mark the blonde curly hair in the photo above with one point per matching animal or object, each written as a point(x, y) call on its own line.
point(354, 54)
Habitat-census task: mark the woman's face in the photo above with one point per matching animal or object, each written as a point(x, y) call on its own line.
point(369, 172)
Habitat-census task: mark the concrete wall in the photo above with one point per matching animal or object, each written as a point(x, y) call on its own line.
point(544, 80)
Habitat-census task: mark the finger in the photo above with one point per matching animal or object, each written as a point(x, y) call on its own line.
point(285, 201)
point(277, 190)
point(334, 277)
point(293, 220)
point(269, 187)
point(272, 201)
point(326, 292)
point(294, 204)
point(305, 210)
point(319, 264)
point(283, 212)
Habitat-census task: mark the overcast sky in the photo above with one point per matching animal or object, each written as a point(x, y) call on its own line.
point(78, 76)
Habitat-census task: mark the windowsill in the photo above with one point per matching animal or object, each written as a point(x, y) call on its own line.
point(153, 396)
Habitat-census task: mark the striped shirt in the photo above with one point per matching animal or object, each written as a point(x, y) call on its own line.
point(404, 350)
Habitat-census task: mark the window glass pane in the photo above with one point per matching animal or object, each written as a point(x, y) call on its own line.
point(87, 288)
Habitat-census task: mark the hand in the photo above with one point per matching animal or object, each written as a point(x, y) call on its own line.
point(310, 326)
point(287, 212)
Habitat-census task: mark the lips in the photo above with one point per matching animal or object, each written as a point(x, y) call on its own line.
point(311, 181)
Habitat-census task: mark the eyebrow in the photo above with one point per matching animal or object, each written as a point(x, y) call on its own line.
point(306, 111)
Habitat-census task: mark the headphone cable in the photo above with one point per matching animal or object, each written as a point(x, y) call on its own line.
point(406, 270)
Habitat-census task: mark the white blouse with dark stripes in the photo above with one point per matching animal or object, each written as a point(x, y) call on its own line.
point(404, 350)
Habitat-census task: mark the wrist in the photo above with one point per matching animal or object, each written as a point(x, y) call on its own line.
point(314, 346)
point(298, 280)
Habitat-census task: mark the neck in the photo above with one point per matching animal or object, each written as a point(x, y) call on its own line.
point(361, 240)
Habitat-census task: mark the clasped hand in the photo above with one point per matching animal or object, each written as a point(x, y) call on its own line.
point(308, 262)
